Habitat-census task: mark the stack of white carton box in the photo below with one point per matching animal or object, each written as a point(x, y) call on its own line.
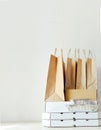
point(60, 114)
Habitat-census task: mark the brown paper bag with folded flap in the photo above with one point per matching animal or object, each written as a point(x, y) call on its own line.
point(91, 71)
point(70, 73)
point(55, 80)
point(81, 72)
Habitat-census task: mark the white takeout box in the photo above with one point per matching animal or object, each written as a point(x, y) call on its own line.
point(61, 106)
point(71, 123)
point(71, 116)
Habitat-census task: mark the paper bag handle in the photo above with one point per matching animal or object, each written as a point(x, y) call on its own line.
point(69, 52)
point(78, 53)
point(55, 51)
point(93, 54)
point(90, 55)
point(84, 52)
point(75, 53)
point(62, 52)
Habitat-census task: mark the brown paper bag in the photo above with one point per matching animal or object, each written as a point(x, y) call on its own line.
point(81, 73)
point(91, 72)
point(70, 73)
point(55, 80)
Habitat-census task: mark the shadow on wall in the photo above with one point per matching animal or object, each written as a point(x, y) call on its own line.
point(99, 85)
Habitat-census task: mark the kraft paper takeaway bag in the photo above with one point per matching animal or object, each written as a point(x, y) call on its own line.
point(55, 80)
point(71, 72)
point(81, 72)
point(91, 71)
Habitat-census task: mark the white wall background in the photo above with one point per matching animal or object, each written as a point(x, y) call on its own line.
point(29, 32)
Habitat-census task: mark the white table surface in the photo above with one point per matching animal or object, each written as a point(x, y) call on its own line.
point(38, 126)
